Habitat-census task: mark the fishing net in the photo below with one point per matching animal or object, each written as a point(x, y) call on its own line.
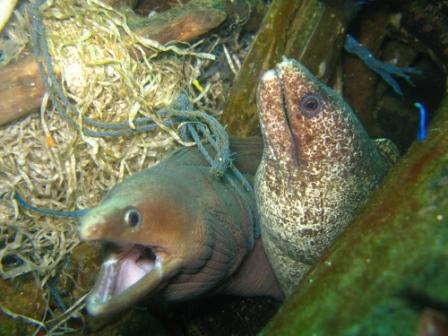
point(117, 104)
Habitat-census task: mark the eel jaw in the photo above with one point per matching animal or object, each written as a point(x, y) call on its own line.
point(127, 275)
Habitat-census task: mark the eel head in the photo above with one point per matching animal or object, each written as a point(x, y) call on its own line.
point(302, 120)
point(145, 232)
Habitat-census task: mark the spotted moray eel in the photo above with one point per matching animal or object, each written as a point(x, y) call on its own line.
point(318, 168)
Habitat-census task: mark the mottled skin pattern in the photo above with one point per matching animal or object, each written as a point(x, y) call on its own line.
point(193, 236)
point(318, 168)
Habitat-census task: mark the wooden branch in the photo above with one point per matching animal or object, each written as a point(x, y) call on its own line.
point(360, 84)
point(121, 3)
point(21, 88)
point(311, 31)
point(181, 23)
point(391, 261)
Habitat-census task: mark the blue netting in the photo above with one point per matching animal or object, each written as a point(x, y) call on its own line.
point(385, 70)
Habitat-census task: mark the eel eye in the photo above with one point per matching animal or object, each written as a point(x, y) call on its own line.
point(310, 105)
point(132, 217)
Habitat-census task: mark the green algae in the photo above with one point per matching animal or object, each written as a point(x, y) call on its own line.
point(310, 31)
point(391, 262)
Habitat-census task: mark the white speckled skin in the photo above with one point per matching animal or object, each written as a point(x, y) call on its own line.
point(315, 173)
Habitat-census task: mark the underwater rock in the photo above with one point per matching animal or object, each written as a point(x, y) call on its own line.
point(84, 258)
point(133, 323)
point(427, 21)
point(223, 316)
point(176, 232)
point(395, 249)
point(17, 315)
point(318, 168)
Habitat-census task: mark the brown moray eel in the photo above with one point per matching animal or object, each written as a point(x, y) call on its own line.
point(175, 232)
point(318, 168)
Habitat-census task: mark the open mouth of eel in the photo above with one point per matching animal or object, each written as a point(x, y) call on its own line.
point(127, 274)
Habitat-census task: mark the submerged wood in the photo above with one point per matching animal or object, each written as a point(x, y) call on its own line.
point(360, 81)
point(311, 31)
point(121, 3)
point(22, 89)
point(391, 262)
point(181, 23)
point(22, 304)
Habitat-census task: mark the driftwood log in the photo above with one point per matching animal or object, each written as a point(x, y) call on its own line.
point(21, 88)
point(181, 23)
point(311, 31)
point(392, 261)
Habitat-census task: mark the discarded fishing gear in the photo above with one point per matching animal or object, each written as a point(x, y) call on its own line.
point(385, 70)
point(187, 126)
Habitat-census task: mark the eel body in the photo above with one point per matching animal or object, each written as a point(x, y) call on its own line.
point(174, 232)
point(318, 168)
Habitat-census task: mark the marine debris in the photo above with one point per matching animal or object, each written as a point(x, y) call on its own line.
point(178, 24)
point(54, 166)
point(21, 90)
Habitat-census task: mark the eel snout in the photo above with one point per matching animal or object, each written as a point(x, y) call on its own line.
point(280, 143)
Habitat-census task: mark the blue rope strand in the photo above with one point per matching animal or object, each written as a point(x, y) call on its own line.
point(48, 212)
point(423, 123)
point(385, 70)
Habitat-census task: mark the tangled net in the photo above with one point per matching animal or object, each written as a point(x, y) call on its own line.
point(58, 166)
